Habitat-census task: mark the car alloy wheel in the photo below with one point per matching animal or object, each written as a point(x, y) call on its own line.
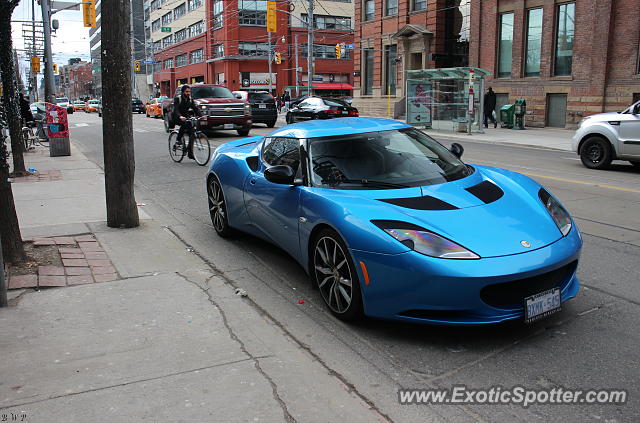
point(596, 153)
point(217, 208)
point(336, 277)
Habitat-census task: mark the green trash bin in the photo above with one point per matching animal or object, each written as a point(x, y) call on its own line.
point(506, 116)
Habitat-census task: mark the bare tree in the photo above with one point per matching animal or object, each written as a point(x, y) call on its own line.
point(12, 248)
point(117, 126)
point(10, 97)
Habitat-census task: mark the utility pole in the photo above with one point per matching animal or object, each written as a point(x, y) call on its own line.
point(270, 70)
point(297, 68)
point(49, 94)
point(310, 48)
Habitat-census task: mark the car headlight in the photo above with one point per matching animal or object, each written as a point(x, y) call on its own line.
point(247, 106)
point(203, 107)
point(424, 241)
point(557, 212)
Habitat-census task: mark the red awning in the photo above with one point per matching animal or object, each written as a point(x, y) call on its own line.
point(330, 86)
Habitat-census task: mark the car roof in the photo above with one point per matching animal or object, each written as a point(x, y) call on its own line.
point(338, 126)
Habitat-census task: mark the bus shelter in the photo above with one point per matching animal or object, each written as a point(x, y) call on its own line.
point(448, 99)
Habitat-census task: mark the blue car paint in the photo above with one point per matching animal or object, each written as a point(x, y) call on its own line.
point(403, 279)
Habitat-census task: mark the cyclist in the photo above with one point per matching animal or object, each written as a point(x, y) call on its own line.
point(183, 108)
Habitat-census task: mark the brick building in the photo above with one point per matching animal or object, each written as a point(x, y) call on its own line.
point(397, 35)
point(567, 59)
point(226, 43)
point(76, 80)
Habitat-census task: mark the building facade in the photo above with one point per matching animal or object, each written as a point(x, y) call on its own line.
point(75, 80)
point(227, 43)
point(567, 59)
point(393, 36)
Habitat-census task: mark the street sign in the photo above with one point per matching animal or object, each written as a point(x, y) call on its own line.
point(89, 13)
point(272, 26)
point(350, 46)
point(149, 62)
point(35, 65)
point(66, 5)
point(316, 78)
point(165, 29)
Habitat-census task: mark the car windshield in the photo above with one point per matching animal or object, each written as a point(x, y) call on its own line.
point(62, 100)
point(136, 102)
point(211, 92)
point(260, 97)
point(631, 109)
point(385, 159)
point(94, 102)
point(78, 102)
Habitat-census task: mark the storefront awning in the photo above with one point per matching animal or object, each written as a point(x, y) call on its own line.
point(329, 86)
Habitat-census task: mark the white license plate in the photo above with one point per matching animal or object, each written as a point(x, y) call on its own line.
point(541, 305)
point(345, 112)
point(228, 126)
point(262, 106)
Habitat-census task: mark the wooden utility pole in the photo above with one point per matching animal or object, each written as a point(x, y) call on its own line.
point(117, 126)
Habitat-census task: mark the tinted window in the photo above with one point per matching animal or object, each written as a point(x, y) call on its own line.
point(335, 102)
point(281, 151)
point(260, 97)
point(211, 92)
point(136, 102)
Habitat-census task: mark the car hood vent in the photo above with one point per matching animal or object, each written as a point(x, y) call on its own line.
point(486, 191)
point(426, 202)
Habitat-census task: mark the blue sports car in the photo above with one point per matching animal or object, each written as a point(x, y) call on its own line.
point(390, 224)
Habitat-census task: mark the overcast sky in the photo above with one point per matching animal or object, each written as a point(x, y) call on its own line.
point(70, 40)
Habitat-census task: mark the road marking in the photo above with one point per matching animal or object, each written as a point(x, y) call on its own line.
point(573, 181)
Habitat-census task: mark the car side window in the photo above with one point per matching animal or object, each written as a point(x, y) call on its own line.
point(305, 103)
point(282, 151)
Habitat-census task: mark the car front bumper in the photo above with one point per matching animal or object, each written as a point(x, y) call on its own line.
point(212, 122)
point(417, 288)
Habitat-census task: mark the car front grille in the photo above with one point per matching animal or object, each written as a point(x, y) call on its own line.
point(512, 294)
point(224, 110)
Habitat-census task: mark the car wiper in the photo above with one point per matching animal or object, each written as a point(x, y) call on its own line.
point(368, 183)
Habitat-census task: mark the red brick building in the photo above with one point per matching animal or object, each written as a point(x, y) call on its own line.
point(393, 36)
point(568, 59)
point(226, 43)
point(76, 81)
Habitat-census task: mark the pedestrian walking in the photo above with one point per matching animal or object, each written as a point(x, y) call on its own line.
point(489, 108)
point(279, 103)
point(287, 101)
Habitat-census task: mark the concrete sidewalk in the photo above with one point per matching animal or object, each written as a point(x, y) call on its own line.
point(168, 341)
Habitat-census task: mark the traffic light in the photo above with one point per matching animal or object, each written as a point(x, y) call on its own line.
point(136, 66)
point(272, 26)
point(89, 13)
point(35, 65)
point(338, 51)
point(278, 58)
point(55, 68)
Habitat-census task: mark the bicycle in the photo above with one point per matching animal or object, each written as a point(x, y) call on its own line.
point(201, 146)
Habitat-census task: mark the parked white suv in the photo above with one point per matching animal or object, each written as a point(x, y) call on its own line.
point(609, 136)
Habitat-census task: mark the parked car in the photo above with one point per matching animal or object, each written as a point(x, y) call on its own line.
point(385, 221)
point(154, 108)
point(604, 137)
point(222, 110)
point(79, 105)
point(92, 106)
point(137, 106)
point(320, 108)
point(64, 102)
point(263, 106)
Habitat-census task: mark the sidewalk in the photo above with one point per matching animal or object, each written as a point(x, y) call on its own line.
point(168, 340)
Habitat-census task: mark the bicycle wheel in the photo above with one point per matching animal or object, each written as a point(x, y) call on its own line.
point(201, 149)
point(176, 149)
point(26, 138)
point(41, 136)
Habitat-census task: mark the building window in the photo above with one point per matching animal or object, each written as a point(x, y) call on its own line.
point(218, 17)
point(534, 42)
point(155, 25)
point(167, 64)
point(505, 45)
point(194, 4)
point(147, 14)
point(564, 39)
point(179, 11)
point(367, 81)
point(252, 12)
point(336, 23)
point(196, 56)
point(369, 10)
point(167, 41)
point(253, 49)
point(218, 50)
point(157, 46)
point(418, 5)
point(196, 29)
point(167, 19)
point(154, 5)
point(181, 60)
point(180, 35)
point(390, 55)
point(391, 7)
point(325, 51)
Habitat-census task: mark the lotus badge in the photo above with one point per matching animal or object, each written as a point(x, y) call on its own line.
point(525, 244)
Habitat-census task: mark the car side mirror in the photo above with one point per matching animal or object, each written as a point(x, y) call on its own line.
point(456, 149)
point(280, 174)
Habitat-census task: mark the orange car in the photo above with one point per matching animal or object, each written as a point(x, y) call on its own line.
point(78, 105)
point(92, 106)
point(154, 108)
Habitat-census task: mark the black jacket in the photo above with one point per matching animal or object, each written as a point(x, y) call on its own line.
point(489, 102)
point(184, 107)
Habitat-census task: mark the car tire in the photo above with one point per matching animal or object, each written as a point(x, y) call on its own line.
point(289, 118)
point(635, 164)
point(243, 132)
point(330, 258)
point(218, 208)
point(596, 153)
point(271, 124)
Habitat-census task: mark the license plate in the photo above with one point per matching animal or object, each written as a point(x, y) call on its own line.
point(541, 305)
point(262, 106)
point(344, 112)
point(228, 126)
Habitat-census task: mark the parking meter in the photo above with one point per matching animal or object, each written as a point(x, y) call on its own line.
point(520, 109)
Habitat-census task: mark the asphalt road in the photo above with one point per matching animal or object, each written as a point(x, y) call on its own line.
point(593, 343)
